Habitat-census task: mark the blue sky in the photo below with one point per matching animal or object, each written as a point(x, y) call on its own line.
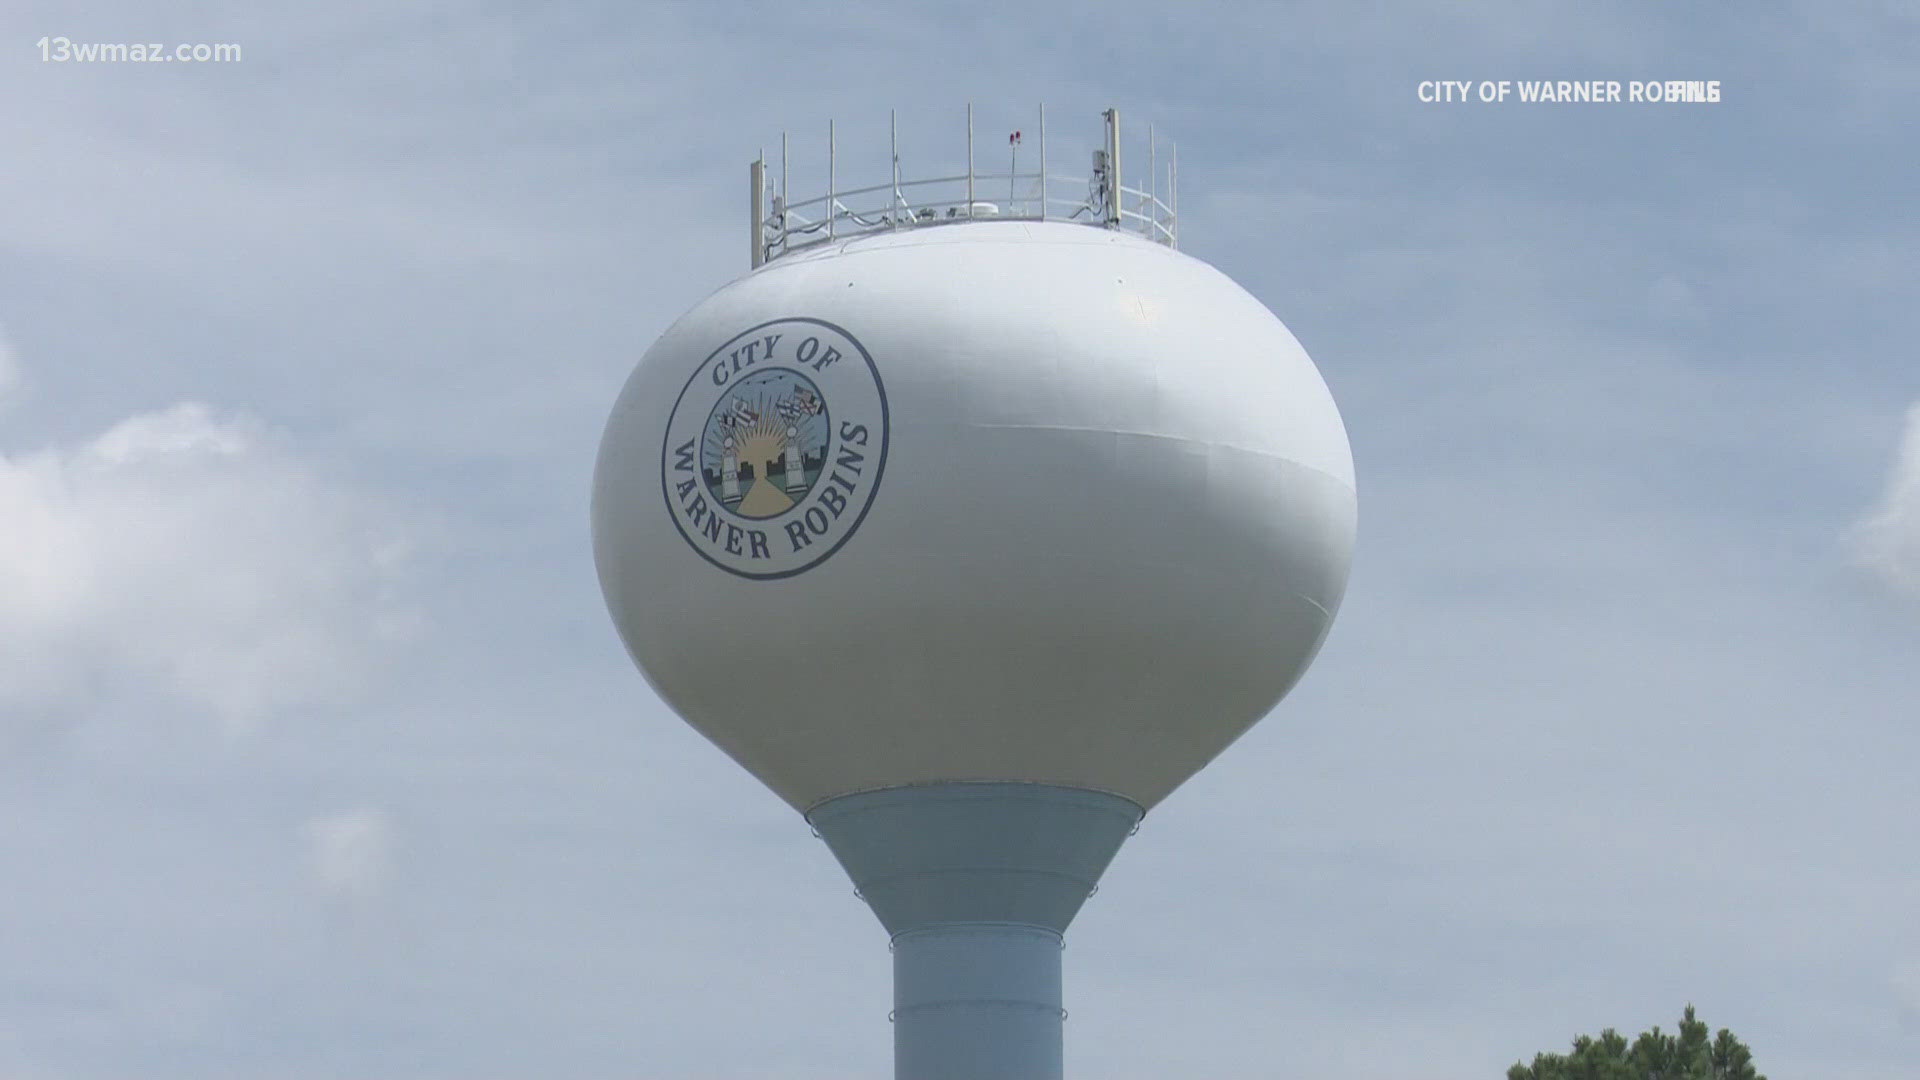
point(319, 757)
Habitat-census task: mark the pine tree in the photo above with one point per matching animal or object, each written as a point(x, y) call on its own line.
point(1652, 1056)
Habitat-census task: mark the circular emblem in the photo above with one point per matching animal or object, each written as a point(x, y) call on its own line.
point(775, 447)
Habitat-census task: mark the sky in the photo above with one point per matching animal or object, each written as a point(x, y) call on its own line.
point(319, 757)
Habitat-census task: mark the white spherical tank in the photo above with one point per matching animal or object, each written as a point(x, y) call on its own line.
point(991, 501)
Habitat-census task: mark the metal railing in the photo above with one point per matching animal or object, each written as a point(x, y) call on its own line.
point(782, 227)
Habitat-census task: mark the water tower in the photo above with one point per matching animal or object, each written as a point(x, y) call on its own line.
point(972, 521)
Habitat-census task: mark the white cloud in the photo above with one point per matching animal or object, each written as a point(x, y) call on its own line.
point(350, 851)
point(192, 558)
point(1887, 541)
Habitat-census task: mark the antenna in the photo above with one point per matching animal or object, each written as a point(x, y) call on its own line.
point(757, 182)
point(969, 159)
point(1113, 193)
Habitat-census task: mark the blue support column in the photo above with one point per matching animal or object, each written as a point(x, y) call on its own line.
point(976, 882)
point(974, 1000)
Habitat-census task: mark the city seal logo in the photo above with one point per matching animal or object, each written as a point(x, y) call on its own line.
point(774, 448)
